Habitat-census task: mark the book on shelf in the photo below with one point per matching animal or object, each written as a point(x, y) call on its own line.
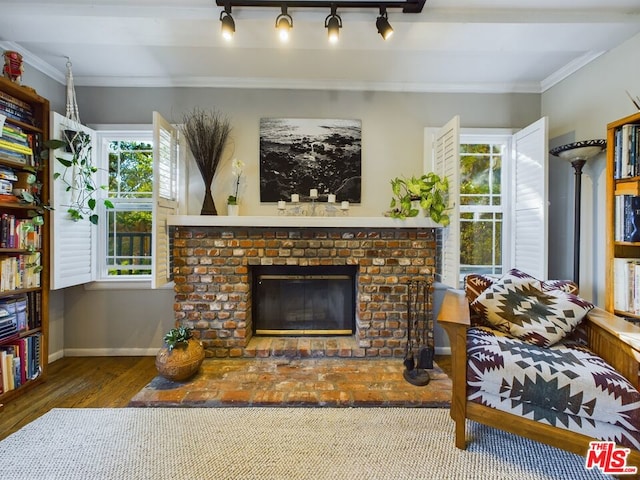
point(20, 361)
point(626, 285)
point(20, 233)
point(20, 271)
point(34, 314)
point(19, 146)
point(8, 321)
point(627, 151)
point(627, 218)
point(15, 101)
point(16, 109)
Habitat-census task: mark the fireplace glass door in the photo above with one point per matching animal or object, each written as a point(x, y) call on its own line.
point(304, 300)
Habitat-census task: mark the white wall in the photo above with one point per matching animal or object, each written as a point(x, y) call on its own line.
point(116, 322)
point(581, 106)
point(98, 321)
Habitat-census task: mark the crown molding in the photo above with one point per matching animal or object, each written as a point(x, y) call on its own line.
point(568, 69)
point(305, 84)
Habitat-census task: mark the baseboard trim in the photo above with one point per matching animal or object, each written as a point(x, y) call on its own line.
point(56, 356)
point(110, 352)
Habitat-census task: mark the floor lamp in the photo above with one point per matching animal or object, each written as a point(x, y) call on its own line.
point(578, 153)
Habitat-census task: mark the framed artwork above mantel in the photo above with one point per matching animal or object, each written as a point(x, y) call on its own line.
point(299, 154)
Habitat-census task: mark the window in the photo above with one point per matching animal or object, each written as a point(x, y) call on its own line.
point(125, 237)
point(130, 242)
point(482, 210)
point(509, 214)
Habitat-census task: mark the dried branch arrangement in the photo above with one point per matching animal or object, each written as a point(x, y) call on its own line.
point(206, 134)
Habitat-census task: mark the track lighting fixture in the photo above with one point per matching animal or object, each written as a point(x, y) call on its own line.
point(333, 24)
point(228, 25)
point(284, 23)
point(382, 24)
point(333, 21)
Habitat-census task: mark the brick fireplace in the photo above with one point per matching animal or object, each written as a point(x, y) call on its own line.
point(213, 267)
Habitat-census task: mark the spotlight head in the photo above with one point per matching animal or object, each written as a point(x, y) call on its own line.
point(383, 26)
point(333, 24)
point(284, 23)
point(228, 26)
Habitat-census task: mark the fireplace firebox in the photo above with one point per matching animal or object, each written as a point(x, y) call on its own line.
point(304, 300)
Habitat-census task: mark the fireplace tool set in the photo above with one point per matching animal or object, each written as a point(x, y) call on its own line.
point(419, 350)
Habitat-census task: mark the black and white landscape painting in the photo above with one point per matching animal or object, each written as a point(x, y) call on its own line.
point(297, 155)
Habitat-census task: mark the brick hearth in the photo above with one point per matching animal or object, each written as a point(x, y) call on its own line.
point(212, 274)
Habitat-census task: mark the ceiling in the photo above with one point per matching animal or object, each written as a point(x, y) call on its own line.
point(451, 46)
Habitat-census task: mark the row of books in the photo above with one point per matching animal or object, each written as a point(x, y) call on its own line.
point(627, 218)
point(18, 146)
point(20, 271)
point(19, 362)
point(19, 313)
point(21, 233)
point(16, 109)
point(626, 281)
point(627, 151)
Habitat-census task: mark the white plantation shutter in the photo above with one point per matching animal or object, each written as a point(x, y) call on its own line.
point(530, 200)
point(165, 195)
point(73, 244)
point(446, 163)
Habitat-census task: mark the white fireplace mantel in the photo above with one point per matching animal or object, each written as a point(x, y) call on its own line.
point(299, 221)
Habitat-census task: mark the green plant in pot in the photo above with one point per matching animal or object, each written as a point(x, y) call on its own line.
point(181, 356)
point(78, 174)
point(428, 192)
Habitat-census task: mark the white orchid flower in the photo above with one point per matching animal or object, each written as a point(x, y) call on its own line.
point(237, 166)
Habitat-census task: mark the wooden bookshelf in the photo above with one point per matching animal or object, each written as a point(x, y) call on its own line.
point(617, 248)
point(37, 297)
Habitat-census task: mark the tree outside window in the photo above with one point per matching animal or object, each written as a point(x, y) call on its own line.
point(129, 223)
point(481, 209)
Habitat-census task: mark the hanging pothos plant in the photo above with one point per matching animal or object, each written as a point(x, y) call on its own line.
point(78, 175)
point(428, 192)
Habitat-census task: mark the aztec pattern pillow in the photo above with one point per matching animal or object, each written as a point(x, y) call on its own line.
point(518, 305)
point(570, 388)
point(474, 285)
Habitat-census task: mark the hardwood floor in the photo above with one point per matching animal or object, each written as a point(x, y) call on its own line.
point(79, 382)
point(92, 382)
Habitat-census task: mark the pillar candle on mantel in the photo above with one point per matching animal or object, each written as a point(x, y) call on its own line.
point(344, 205)
point(331, 198)
point(313, 193)
point(295, 198)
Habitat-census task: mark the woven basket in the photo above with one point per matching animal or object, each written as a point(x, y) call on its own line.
point(182, 362)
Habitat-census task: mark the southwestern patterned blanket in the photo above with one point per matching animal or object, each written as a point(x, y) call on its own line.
point(564, 385)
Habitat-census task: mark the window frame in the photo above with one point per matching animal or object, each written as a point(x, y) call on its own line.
point(492, 136)
point(105, 134)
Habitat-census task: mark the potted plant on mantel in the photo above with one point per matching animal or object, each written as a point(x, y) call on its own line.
point(233, 207)
point(181, 356)
point(427, 192)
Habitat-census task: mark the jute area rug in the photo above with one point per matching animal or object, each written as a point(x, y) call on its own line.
point(272, 444)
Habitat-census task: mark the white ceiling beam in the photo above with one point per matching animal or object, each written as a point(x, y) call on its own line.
point(428, 15)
